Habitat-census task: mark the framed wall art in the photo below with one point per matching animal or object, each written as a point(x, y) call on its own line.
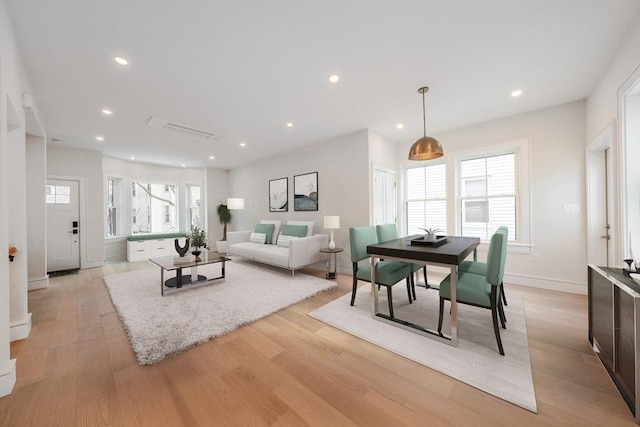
point(305, 192)
point(279, 195)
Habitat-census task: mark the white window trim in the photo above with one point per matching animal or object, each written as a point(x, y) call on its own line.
point(118, 181)
point(520, 147)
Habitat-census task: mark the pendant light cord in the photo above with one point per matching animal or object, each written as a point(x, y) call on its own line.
point(424, 115)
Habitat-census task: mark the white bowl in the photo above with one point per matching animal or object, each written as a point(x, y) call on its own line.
point(635, 277)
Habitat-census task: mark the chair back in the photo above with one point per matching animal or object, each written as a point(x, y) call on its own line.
point(359, 239)
point(497, 256)
point(387, 232)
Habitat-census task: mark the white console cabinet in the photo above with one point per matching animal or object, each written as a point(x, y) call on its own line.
point(142, 249)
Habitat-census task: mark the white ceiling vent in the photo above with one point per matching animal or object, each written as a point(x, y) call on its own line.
point(178, 127)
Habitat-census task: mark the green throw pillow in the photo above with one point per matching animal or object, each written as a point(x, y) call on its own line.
point(265, 229)
point(294, 230)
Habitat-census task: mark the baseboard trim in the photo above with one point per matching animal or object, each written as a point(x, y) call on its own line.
point(21, 329)
point(92, 264)
point(42, 283)
point(8, 378)
point(547, 283)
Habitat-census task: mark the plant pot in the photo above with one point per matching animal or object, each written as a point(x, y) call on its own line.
point(222, 247)
point(430, 237)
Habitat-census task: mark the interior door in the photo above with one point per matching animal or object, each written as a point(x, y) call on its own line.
point(600, 206)
point(63, 225)
point(384, 196)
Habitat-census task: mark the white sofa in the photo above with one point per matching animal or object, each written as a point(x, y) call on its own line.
point(300, 253)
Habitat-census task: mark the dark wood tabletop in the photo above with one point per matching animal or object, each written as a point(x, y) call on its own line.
point(453, 252)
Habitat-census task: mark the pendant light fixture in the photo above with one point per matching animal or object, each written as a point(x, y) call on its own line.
point(426, 148)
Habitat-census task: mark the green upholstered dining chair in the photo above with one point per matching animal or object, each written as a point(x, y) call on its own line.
point(388, 273)
point(482, 290)
point(387, 232)
point(477, 267)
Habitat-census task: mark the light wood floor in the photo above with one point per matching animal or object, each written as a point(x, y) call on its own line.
point(77, 368)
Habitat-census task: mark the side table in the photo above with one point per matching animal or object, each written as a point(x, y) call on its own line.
point(331, 274)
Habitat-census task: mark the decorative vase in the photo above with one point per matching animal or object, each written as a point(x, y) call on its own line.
point(197, 253)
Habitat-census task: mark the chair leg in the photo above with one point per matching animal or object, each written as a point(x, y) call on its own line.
point(390, 301)
point(494, 316)
point(354, 289)
point(409, 289)
point(504, 297)
point(440, 315)
point(503, 319)
point(426, 282)
point(413, 284)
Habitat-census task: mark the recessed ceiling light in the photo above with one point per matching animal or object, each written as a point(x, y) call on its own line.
point(289, 125)
point(334, 78)
point(399, 126)
point(516, 93)
point(242, 144)
point(211, 157)
point(183, 165)
point(107, 112)
point(120, 60)
point(99, 138)
point(132, 158)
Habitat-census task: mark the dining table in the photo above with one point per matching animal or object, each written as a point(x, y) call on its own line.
point(446, 252)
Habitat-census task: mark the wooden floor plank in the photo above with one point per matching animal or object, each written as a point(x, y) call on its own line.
point(287, 369)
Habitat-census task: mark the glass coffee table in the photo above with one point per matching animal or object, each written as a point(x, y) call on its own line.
point(171, 263)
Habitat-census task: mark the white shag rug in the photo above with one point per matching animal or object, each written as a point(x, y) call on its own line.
point(475, 361)
point(159, 327)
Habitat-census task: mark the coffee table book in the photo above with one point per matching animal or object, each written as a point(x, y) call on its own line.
point(185, 260)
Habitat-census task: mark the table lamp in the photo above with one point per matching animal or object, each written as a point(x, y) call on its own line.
point(332, 222)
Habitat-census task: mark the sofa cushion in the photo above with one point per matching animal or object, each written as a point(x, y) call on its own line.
point(276, 228)
point(244, 249)
point(266, 229)
point(309, 225)
point(271, 254)
point(294, 230)
point(259, 238)
point(284, 240)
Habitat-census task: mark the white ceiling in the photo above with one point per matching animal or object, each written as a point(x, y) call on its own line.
point(245, 68)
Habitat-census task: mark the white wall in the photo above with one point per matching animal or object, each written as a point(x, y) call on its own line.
point(13, 283)
point(36, 212)
point(68, 163)
point(343, 182)
point(556, 151)
point(603, 108)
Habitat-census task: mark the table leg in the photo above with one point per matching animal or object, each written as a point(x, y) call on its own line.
point(374, 291)
point(161, 281)
point(454, 306)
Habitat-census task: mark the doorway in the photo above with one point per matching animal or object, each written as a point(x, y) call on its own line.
point(384, 196)
point(601, 219)
point(63, 225)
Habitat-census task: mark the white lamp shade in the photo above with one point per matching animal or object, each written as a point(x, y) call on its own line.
point(235, 204)
point(332, 222)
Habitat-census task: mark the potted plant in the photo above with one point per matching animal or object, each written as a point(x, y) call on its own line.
point(198, 239)
point(224, 216)
point(430, 233)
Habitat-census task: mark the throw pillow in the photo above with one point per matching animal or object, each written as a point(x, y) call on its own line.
point(294, 230)
point(284, 241)
point(265, 229)
point(258, 238)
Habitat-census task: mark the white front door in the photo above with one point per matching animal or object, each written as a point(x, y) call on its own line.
point(63, 225)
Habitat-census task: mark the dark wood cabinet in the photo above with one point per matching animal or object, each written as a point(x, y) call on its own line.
point(614, 302)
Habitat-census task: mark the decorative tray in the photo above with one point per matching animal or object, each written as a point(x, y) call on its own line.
point(422, 241)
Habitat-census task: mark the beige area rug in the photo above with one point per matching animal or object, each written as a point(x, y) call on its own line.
point(159, 327)
point(475, 361)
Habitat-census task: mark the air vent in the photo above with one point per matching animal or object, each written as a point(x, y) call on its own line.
point(178, 127)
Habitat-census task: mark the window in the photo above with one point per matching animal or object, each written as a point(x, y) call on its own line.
point(113, 202)
point(488, 196)
point(426, 199)
point(58, 194)
point(194, 203)
point(153, 208)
